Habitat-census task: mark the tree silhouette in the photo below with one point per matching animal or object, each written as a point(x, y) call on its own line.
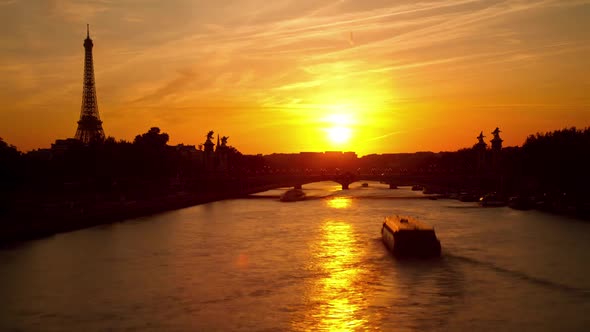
point(8, 152)
point(152, 138)
point(11, 172)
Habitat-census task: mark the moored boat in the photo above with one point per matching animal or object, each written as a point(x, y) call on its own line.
point(408, 237)
point(468, 197)
point(520, 202)
point(492, 200)
point(428, 191)
point(292, 195)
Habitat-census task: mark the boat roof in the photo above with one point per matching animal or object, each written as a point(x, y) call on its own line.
point(404, 223)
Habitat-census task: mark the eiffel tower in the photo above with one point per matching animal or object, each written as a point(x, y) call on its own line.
point(89, 126)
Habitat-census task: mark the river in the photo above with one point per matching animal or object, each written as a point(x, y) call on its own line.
point(261, 265)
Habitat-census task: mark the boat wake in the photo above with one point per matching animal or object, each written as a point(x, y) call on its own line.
point(581, 292)
point(463, 207)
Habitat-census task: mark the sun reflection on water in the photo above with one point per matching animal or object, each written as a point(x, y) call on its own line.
point(339, 202)
point(338, 294)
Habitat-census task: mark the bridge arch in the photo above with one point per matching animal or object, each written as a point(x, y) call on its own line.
point(298, 180)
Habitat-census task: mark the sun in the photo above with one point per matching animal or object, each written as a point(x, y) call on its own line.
point(339, 134)
point(338, 128)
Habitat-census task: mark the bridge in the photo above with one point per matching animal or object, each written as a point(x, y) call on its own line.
point(263, 182)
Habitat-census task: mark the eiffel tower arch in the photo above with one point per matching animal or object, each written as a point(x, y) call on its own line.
point(89, 125)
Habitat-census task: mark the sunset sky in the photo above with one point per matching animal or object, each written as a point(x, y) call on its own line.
point(371, 76)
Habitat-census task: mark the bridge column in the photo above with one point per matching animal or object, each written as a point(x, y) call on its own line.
point(345, 185)
point(298, 186)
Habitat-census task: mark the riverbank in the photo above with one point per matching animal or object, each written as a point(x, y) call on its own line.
point(553, 204)
point(38, 222)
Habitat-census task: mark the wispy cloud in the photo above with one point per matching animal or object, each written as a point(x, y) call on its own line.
point(79, 11)
point(397, 132)
point(169, 90)
point(283, 62)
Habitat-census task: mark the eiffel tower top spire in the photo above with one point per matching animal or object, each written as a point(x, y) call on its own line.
point(89, 125)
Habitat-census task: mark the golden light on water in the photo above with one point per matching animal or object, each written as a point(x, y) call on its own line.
point(339, 202)
point(242, 261)
point(340, 297)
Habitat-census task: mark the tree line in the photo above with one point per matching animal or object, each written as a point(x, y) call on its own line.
point(107, 170)
point(554, 163)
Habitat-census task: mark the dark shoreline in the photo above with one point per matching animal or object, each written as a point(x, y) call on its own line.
point(35, 225)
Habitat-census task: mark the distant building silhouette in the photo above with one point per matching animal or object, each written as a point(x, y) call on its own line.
point(89, 125)
point(188, 151)
point(328, 161)
point(61, 146)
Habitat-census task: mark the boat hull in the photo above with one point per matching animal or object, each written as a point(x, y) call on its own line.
point(410, 240)
point(293, 195)
point(492, 200)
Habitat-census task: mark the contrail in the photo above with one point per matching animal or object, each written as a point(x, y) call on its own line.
point(386, 135)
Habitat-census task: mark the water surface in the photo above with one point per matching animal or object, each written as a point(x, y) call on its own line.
point(260, 264)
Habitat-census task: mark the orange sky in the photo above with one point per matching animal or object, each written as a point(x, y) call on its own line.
point(371, 76)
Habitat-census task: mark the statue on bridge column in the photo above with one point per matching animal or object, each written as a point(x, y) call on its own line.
point(496, 141)
point(496, 150)
point(210, 136)
point(222, 154)
point(209, 153)
point(480, 141)
point(480, 147)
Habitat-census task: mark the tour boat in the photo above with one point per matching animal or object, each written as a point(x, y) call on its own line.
point(292, 195)
point(408, 237)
